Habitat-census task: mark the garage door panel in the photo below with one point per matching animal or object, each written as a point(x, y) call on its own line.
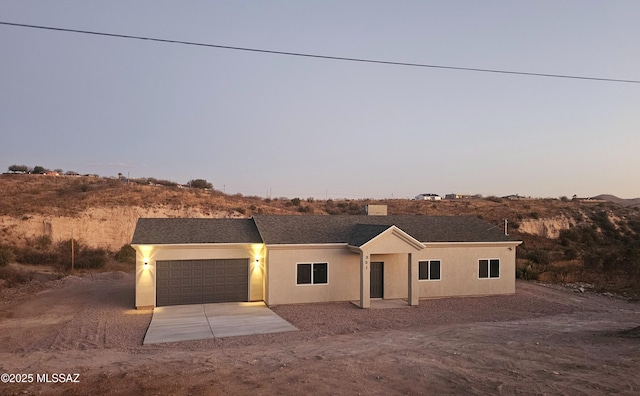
point(201, 281)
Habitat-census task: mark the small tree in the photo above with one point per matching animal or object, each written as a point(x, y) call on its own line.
point(39, 169)
point(18, 168)
point(126, 255)
point(200, 183)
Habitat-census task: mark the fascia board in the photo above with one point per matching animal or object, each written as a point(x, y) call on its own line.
point(473, 244)
point(305, 246)
point(197, 245)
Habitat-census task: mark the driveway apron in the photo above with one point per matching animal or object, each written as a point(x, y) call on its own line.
point(204, 321)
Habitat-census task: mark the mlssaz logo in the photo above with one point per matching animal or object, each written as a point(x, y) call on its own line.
point(58, 378)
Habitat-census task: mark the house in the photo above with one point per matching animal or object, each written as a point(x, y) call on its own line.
point(428, 197)
point(457, 196)
point(285, 259)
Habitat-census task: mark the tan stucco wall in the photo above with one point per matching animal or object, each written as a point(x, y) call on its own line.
point(395, 274)
point(459, 271)
point(343, 275)
point(146, 277)
point(274, 278)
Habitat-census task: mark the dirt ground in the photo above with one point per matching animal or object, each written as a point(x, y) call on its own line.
point(542, 340)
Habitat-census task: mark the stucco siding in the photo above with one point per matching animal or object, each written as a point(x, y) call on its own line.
point(343, 275)
point(459, 271)
point(388, 243)
point(395, 277)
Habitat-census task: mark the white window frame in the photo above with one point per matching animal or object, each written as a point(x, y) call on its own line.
point(429, 270)
point(312, 263)
point(489, 268)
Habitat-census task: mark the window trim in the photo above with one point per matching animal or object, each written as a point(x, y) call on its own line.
point(312, 263)
point(489, 260)
point(429, 270)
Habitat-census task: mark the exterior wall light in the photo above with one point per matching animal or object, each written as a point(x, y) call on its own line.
point(146, 262)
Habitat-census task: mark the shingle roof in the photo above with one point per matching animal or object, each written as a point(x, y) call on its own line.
point(183, 231)
point(363, 233)
point(313, 229)
point(293, 229)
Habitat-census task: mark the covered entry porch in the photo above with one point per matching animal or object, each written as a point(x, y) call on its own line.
point(388, 263)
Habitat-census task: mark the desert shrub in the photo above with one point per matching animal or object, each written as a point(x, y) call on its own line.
point(31, 254)
point(295, 202)
point(12, 277)
point(252, 207)
point(91, 258)
point(355, 209)
point(240, 210)
point(541, 257)
point(126, 255)
point(200, 183)
point(42, 242)
point(570, 254)
point(6, 255)
point(84, 257)
point(527, 271)
point(305, 209)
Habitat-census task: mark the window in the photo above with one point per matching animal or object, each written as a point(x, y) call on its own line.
point(312, 273)
point(429, 270)
point(489, 268)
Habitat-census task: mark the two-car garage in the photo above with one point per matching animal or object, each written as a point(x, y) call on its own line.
point(201, 281)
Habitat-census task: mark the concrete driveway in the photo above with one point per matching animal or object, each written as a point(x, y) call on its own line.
point(203, 321)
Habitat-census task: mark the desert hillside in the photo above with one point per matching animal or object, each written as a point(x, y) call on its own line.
point(597, 241)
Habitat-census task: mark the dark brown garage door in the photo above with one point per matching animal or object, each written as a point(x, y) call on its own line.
point(201, 281)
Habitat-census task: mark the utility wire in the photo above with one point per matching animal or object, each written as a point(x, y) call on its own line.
point(339, 58)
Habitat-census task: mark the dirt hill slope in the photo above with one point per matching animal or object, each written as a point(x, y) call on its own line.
point(566, 241)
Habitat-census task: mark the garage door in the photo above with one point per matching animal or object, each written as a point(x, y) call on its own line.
point(201, 281)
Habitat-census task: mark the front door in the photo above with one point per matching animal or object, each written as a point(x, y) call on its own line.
point(377, 275)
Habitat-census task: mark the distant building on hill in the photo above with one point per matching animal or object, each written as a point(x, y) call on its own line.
point(513, 197)
point(575, 198)
point(428, 197)
point(457, 196)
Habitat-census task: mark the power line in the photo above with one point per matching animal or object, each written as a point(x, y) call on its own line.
point(339, 58)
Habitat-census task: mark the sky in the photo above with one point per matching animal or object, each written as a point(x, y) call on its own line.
point(284, 126)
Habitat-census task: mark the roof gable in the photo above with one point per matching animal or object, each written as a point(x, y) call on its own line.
point(384, 238)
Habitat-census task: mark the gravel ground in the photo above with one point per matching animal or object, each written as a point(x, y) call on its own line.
point(540, 340)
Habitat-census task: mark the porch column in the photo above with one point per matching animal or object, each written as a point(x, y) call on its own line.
point(414, 292)
point(365, 280)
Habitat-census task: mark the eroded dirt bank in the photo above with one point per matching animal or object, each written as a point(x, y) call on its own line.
point(541, 340)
